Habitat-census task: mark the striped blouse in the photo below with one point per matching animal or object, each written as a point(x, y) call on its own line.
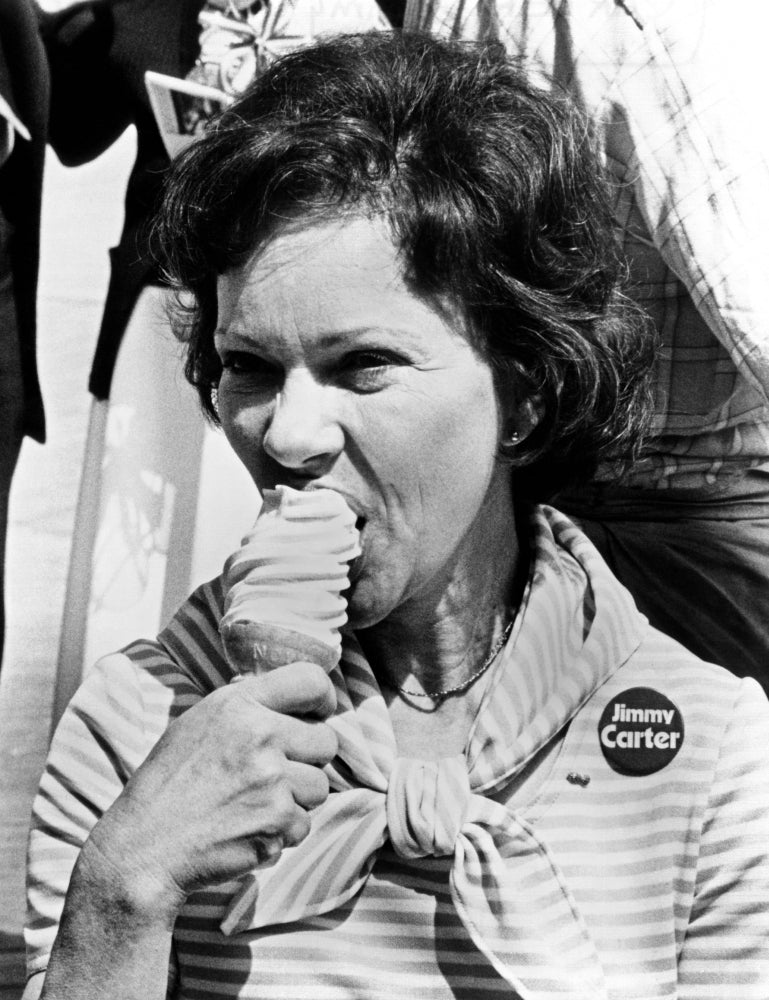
point(634, 780)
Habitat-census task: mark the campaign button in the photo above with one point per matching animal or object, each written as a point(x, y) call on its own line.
point(640, 731)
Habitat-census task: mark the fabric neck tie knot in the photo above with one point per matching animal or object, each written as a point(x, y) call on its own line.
point(576, 625)
point(427, 802)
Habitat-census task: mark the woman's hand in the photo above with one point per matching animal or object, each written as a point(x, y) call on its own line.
point(227, 787)
point(228, 784)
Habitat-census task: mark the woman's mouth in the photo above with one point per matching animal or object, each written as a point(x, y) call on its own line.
point(355, 564)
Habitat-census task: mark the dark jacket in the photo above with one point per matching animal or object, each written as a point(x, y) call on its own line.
point(98, 55)
point(24, 85)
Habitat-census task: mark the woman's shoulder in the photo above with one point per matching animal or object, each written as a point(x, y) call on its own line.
point(191, 639)
point(665, 706)
point(151, 681)
point(662, 661)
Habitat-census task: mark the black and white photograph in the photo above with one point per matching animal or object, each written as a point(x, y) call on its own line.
point(384, 500)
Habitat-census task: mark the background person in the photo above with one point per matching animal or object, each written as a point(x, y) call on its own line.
point(674, 113)
point(23, 127)
point(402, 264)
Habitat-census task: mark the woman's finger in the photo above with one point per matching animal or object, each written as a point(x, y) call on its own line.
point(309, 742)
point(268, 849)
point(300, 689)
point(309, 784)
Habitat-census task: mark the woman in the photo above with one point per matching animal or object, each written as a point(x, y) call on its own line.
point(404, 289)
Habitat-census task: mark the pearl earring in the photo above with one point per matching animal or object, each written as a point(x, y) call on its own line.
point(508, 444)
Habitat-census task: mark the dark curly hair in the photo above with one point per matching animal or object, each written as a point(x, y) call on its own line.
point(493, 195)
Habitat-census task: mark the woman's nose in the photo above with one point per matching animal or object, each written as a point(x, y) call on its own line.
point(304, 432)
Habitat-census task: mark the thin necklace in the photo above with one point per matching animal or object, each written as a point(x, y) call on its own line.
point(461, 688)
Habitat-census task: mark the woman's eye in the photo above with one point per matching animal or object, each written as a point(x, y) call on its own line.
point(369, 369)
point(244, 365)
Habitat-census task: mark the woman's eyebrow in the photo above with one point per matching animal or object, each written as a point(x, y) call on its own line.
point(337, 338)
point(329, 340)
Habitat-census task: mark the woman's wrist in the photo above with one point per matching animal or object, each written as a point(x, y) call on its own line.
point(128, 890)
point(114, 938)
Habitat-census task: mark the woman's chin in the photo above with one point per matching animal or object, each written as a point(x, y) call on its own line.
point(367, 604)
point(361, 614)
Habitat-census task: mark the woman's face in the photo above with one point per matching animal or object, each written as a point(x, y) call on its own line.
point(337, 375)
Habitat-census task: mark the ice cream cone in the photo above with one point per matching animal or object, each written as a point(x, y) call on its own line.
point(285, 586)
point(251, 646)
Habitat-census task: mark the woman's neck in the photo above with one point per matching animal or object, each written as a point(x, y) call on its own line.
point(443, 635)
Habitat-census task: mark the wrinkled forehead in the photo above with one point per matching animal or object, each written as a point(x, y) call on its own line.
point(335, 277)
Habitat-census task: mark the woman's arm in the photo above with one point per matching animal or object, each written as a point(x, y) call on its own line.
point(227, 785)
point(108, 944)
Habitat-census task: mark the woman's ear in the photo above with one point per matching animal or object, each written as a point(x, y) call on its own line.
point(523, 419)
point(529, 415)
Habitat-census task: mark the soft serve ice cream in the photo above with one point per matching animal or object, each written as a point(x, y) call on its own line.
point(284, 587)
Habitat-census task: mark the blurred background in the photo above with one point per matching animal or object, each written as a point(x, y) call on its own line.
point(82, 216)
